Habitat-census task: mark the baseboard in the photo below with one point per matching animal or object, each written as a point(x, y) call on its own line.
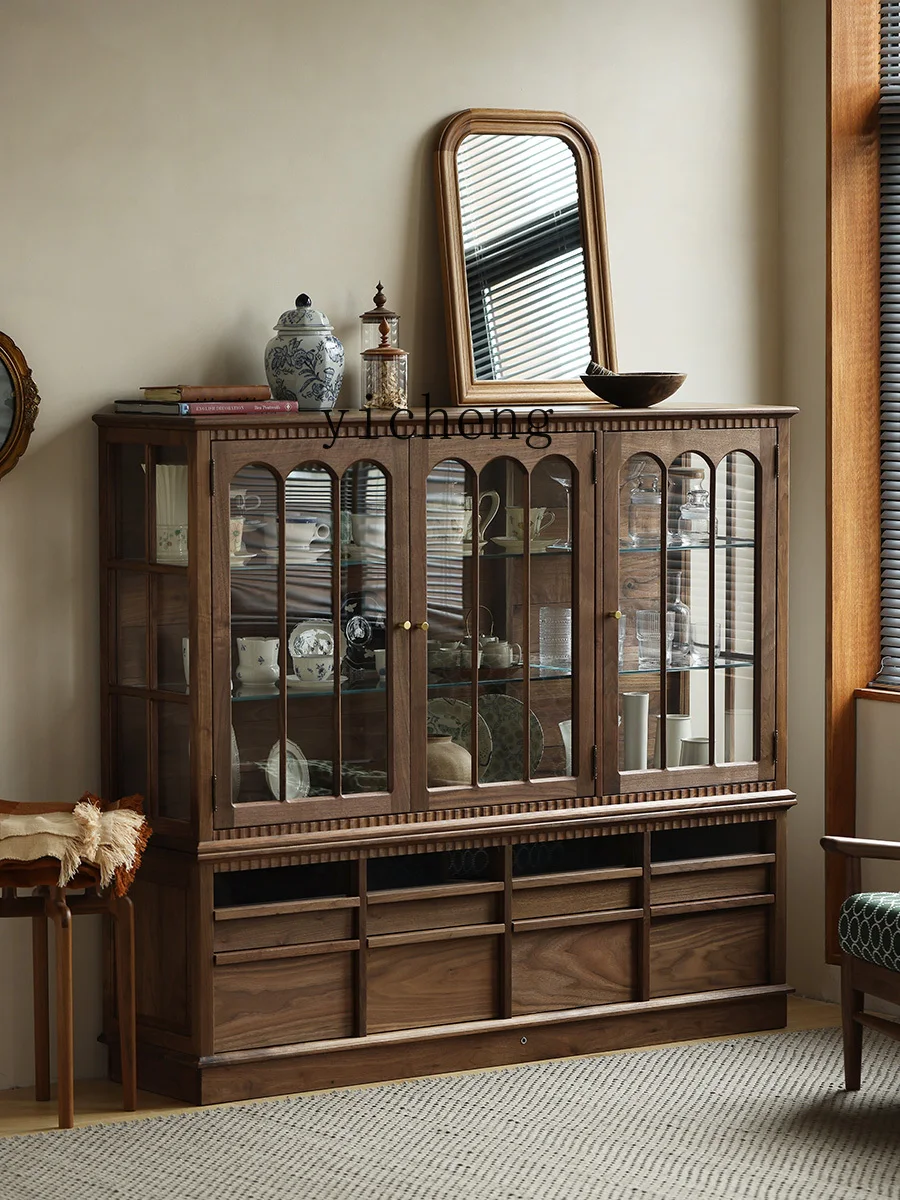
point(246, 1075)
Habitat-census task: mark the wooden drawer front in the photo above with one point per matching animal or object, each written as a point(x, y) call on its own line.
point(279, 1001)
point(574, 966)
point(407, 915)
point(285, 929)
point(709, 885)
point(433, 983)
point(707, 951)
point(597, 896)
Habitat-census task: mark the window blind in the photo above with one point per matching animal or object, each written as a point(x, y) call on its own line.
point(889, 132)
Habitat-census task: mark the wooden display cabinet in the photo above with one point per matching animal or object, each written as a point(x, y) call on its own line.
point(313, 909)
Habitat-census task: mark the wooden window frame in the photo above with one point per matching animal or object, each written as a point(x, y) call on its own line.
point(853, 461)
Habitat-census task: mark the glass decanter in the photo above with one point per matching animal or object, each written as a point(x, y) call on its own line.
point(680, 654)
point(644, 510)
point(694, 522)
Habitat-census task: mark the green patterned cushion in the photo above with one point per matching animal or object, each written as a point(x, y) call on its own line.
point(869, 928)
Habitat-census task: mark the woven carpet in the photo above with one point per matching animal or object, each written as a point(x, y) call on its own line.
point(762, 1117)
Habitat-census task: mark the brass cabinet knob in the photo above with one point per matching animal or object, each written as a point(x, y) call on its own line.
point(404, 625)
point(422, 625)
point(617, 614)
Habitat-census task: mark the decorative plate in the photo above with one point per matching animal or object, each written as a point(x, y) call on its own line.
point(312, 639)
point(296, 774)
point(503, 715)
point(453, 719)
point(235, 768)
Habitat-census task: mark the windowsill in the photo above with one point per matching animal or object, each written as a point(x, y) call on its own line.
point(874, 693)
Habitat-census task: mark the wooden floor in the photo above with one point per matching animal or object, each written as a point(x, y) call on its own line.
point(97, 1100)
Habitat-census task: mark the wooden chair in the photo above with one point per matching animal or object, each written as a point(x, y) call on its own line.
point(49, 901)
point(869, 935)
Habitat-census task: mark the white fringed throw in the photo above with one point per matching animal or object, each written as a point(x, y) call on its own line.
point(111, 840)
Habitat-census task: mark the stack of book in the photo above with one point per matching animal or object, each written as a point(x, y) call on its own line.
point(182, 400)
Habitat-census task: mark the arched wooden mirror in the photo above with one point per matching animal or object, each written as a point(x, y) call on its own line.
point(18, 404)
point(523, 240)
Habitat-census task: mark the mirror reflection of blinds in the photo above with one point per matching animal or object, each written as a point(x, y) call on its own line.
point(889, 672)
point(524, 258)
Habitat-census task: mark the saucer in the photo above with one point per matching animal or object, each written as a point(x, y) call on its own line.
point(324, 685)
point(238, 560)
point(312, 555)
point(537, 545)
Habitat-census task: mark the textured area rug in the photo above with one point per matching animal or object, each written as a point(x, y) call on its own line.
point(762, 1117)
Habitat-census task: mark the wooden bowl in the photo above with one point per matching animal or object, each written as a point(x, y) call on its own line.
point(637, 389)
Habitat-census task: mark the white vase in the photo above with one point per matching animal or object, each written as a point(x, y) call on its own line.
point(304, 360)
point(635, 725)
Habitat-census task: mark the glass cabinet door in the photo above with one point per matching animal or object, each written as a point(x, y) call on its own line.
point(502, 638)
point(309, 666)
point(147, 554)
point(690, 609)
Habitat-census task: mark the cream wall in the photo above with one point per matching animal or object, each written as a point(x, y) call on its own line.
point(176, 172)
point(802, 288)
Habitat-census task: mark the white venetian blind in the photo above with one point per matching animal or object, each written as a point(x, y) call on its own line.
point(889, 673)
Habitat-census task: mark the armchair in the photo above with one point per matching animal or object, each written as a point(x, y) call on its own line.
point(869, 937)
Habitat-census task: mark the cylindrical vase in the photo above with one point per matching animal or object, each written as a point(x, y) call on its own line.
point(635, 718)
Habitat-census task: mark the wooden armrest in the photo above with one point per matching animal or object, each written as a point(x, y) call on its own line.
point(861, 847)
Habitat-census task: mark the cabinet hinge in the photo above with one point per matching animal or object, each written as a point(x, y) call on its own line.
point(777, 458)
point(594, 757)
point(214, 788)
point(593, 466)
point(212, 476)
point(774, 745)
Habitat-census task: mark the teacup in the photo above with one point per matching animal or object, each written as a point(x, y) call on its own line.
point(258, 659)
point(302, 530)
point(243, 501)
point(540, 519)
point(236, 536)
point(313, 668)
point(172, 543)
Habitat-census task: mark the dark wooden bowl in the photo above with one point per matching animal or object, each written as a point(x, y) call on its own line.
point(637, 389)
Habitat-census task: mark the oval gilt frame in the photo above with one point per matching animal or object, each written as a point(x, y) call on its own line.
point(26, 401)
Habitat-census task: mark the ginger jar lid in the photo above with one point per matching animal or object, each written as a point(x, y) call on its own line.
point(304, 317)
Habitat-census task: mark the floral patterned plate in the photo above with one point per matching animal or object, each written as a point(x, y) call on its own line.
point(453, 718)
point(504, 716)
point(312, 639)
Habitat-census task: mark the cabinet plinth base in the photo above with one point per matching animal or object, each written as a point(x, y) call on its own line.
point(247, 1075)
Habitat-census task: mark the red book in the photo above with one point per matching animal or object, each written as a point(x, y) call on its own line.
point(205, 408)
point(189, 392)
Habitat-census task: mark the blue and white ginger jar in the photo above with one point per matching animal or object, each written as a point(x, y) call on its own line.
point(304, 360)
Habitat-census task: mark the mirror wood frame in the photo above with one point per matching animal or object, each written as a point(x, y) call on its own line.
point(26, 402)
point(465, 388)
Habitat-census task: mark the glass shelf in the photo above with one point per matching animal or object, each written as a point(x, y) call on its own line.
point(295, 693)
point(325, 564)
point(721, 664)
point(721, 544)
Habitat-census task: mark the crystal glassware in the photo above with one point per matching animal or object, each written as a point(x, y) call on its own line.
point(680, 655)
point(700, 631)
point(645, 510)
point(555, 635)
